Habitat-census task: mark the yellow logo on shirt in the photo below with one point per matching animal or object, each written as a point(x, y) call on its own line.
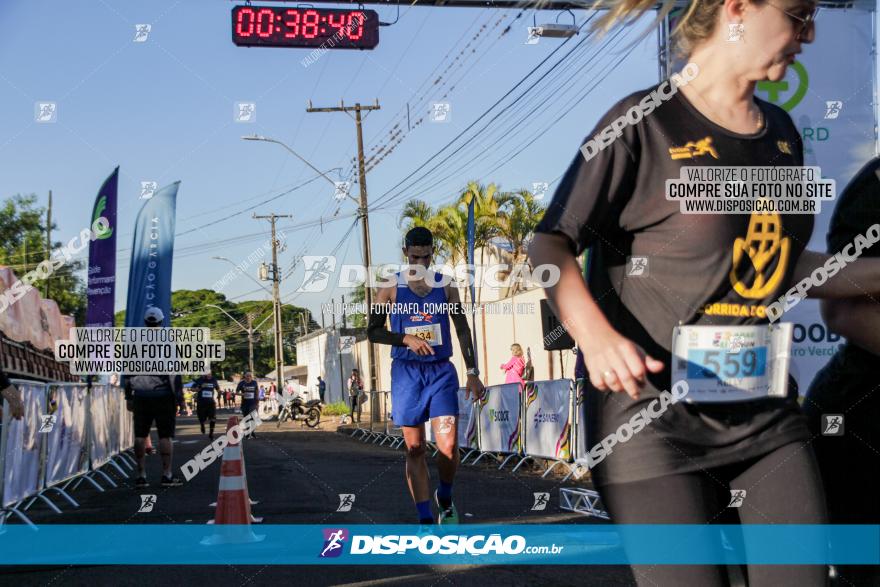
point(763, 243)
point(784, 147)
point(692, 149)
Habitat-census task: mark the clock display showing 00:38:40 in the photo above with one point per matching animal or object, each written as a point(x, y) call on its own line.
point(304, 27)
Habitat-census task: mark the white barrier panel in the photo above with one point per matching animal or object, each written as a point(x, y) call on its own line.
point(66, 454)
point(467, 424)
point(114, 398)
point(499, 419)
point(126, 423)
point(23, 445)
point(580, 421)
point(99, 428)
point(547, 428)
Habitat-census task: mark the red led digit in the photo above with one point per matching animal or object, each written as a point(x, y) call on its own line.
point(293, 24)
point(310, 21)
point(243, 29)
point(266, 29)
point(356, 25)
point(339, 24)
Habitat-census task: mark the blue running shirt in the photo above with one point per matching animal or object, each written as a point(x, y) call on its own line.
point(426, 317)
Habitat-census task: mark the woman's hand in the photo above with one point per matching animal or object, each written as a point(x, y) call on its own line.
point(615, 363)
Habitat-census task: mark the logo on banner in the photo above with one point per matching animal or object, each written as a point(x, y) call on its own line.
point(542, 417)
point(103, 230)
point(334, 538)
point(775, 90)
point(499, 415)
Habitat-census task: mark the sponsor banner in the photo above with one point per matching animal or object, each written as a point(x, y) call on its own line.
point(547, 425)
point(152, 253)
point(101, 292)
point(532, 544)
point(499, 416)
point(22, 444)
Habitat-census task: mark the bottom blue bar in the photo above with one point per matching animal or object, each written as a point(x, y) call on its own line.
point(467, 544)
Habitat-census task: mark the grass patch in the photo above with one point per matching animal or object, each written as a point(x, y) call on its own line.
point(335, 409)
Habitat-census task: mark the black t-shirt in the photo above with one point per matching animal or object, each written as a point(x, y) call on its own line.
point(249, 391)
point(206, 389)
point(615, 204)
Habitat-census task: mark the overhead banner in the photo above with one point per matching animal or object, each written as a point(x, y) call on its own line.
point(152, 253)
point(101, 292)
point(829, 94)
point(547, 422)
point(499, 416)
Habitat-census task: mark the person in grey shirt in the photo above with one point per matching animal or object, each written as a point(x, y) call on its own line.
point(154, 397)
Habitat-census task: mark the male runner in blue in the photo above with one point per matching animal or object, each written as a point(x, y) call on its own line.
point(424, 383)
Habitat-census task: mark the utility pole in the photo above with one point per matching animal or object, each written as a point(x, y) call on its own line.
point(344, 325)
point(276, 302)
point(365, 223)
point(250, 333)
point(48, 243)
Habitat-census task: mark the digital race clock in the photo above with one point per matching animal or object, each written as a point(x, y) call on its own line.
point(332, 28)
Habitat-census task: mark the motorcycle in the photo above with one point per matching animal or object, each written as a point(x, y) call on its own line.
point(298, 409)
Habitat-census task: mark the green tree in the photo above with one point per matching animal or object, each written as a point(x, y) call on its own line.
point(190, 309)
point(23, 247)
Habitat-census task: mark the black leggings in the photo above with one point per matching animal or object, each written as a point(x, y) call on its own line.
point(782, 487)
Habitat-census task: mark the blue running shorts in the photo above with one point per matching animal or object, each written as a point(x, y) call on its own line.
point(421, 390)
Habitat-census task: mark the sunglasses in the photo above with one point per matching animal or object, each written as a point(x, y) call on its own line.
point(807, 22)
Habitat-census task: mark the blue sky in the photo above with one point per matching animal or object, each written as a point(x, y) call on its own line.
point(163, 111)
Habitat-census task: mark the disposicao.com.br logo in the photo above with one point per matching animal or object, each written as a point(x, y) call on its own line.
point(449, 544)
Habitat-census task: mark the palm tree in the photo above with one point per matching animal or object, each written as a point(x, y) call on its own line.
point(420, 213)
point(518, 216)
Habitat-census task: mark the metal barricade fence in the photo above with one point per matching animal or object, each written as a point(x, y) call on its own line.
point(500, 422)
point(67, 433)
point(21, 452)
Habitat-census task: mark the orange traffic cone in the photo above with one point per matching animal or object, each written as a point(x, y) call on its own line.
point(233, 504)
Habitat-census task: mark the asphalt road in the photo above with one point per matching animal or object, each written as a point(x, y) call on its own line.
point(297, 474)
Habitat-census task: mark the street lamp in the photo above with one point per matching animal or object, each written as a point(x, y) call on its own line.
point(256, 137)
